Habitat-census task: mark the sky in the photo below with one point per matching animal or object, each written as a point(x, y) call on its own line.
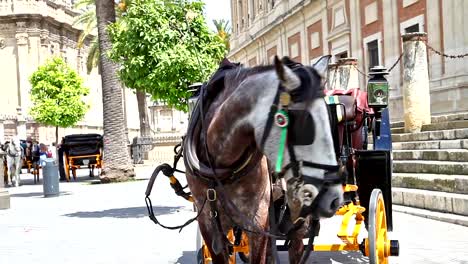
point(217, 9)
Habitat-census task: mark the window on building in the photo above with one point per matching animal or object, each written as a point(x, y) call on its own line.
point(412, 29)
point(341, 55)
point(373, 53)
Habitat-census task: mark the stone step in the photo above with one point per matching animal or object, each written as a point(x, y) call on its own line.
point(397, 124)
point(444, 202)
point(431, 144)
point(397, 130)
point(453, 124)
point(449, 117)
point(431, 182)
point(437, 119)
point(432, 154)
point(461, 133)
point(444, 217)
point(430, 166)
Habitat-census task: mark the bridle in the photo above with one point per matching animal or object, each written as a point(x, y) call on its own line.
point(280, 115)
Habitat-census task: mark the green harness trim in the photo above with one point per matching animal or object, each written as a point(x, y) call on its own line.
point(282, 143)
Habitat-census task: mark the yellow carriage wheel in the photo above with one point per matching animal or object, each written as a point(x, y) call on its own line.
point(67, 167)
point(377, 244)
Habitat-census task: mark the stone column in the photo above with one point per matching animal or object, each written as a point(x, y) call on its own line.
point(416, 95)
point(343, 75)
point(4, 195)
point(23, 64)
point(2, 130)
point(20, 124)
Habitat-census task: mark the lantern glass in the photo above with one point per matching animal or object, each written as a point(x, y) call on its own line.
point(377, 94)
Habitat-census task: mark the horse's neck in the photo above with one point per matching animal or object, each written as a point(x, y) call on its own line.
point(229, 134)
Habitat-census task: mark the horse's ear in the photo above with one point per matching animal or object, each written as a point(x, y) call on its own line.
point(321, 66)
point(288, 79)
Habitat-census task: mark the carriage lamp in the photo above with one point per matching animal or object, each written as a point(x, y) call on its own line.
point(377, 88)
point(194, 91)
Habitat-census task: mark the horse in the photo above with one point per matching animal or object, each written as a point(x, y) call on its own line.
point(235, 135)
point(14, 155)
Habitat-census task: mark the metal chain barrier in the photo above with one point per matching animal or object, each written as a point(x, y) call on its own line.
point(430, 48)
point(396, 62)
point(461, 56)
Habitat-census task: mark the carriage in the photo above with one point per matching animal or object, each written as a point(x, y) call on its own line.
point(355, 117)
point(80, 150)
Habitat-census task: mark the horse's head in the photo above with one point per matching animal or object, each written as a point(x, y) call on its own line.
point(292, 126)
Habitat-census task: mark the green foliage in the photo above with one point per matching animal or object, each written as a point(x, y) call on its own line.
point(163, 47)
point(56, 93)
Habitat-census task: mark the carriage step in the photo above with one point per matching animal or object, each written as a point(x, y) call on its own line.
point(430, 166)
point(432, 154)
point(461, 133)
point(444, 202)
point(453, 124)
point(432, 144)
point(443, 217)
point(432, 182)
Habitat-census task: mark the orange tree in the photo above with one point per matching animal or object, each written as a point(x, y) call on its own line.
point(163, 47)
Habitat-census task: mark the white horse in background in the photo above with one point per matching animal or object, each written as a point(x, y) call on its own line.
point(14, 162)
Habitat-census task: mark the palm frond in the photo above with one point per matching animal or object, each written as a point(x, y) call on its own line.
point(84, 3)
point(93, 56)
point(85, 17)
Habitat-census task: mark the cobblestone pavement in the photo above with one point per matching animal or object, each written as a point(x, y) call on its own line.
point(94, 223)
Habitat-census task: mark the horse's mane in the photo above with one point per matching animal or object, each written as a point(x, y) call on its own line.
point(309, 89)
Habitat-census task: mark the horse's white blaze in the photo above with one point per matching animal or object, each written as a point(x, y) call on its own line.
point(320, 151)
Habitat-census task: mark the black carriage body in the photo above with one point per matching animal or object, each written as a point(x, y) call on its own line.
point(374, 170)
point(82, 145)
point(368, 169)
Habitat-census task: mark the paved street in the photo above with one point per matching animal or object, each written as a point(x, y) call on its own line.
point(94, 223)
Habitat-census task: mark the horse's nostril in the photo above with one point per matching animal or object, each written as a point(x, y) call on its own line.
point(335, 204)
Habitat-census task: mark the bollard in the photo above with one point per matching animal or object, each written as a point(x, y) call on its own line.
point(343, 75)
point(416, 96)
point(50, 177)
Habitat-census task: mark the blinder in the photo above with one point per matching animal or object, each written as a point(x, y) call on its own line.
point(297, 128)
point(302, 128)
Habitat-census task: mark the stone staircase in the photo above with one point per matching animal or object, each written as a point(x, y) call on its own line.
point(430, 169)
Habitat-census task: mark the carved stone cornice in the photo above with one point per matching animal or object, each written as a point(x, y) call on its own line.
point(21, 26)
point(22, 38)
point(44, 38)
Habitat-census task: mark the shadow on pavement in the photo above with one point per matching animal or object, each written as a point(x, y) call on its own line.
point(36, 194)
point(129, 212)
point(188, 257)
point(344, 257)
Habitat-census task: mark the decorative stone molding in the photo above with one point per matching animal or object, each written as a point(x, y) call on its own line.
point(44, 38)
point(2, 43)
point(7, 26)
point(21, 25)
point(22, 38)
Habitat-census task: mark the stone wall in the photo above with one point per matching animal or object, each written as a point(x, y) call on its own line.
point(347, 26)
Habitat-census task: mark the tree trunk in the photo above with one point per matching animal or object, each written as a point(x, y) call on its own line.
point(117, 165)
point(143, 112)
point(56, 136)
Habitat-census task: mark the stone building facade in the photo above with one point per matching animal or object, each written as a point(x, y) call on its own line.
point(369, 30)
point(31, 31)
